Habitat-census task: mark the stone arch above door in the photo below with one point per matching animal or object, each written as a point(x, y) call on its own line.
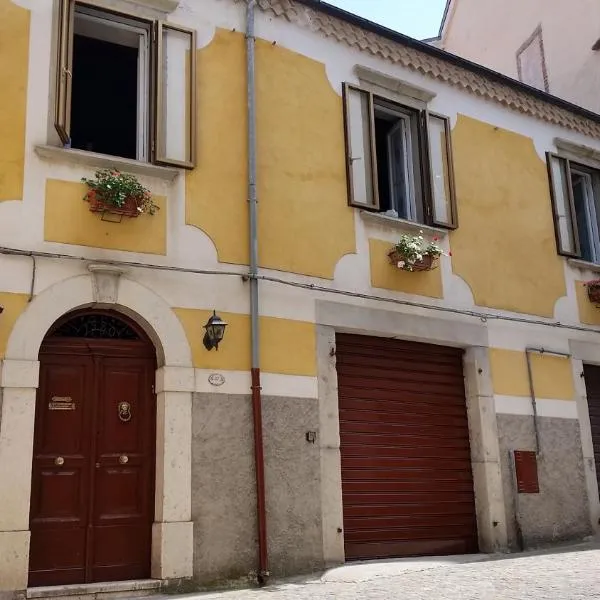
point(104, 287)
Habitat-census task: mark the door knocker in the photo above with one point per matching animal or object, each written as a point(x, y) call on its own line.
point(124, 409)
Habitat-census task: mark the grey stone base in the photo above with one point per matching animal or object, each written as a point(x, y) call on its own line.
point(560, 511)
point(224, 488)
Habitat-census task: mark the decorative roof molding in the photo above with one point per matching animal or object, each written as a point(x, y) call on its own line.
point(436, 67)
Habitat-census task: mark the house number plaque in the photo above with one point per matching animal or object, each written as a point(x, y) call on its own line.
point(61, 403)
point(216, 379)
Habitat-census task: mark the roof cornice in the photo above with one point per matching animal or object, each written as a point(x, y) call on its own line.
point(389, 45)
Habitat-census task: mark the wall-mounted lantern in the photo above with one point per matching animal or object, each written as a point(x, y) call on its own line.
point(215, 331)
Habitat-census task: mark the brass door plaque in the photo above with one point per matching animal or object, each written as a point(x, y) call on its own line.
point(61, 403)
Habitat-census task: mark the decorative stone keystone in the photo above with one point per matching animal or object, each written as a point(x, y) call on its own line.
point(105, 282)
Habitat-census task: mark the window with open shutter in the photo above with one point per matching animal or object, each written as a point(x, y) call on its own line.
point(113, 97)
point(399, 160)
point(575, 193)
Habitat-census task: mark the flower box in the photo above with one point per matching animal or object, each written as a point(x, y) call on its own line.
point(414, 253)
point(112, 192)
point(593, 291)
point(130, 207)
point(427, 263)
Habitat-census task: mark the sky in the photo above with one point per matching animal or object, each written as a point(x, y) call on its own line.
point(417, 18)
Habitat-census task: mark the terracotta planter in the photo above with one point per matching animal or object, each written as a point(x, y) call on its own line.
point(593, 293)
point(129, 208)
point(427, 263)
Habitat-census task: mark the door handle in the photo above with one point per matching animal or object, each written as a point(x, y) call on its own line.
point(123, 459)
point(59, 461)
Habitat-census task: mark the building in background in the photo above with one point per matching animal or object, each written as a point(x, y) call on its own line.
point(553, 46)
point(355, 408)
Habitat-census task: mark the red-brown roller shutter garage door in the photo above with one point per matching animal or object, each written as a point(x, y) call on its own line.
point(591, 374)
point(406, 468)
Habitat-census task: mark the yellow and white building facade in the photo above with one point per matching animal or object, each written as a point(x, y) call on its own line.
point(507, 295)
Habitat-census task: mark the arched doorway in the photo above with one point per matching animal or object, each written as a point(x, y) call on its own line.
point(92, 496)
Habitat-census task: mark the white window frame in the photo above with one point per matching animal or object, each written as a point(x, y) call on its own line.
point(590, 212)
point(142, 33)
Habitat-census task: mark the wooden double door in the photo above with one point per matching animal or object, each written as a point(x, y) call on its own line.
point(92, 493)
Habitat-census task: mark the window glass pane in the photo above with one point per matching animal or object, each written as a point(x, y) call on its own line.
point(413, 161)
point(399, 170)
point(562, 209)
point(440, 171)
point(360, 160)
point(175, 96)
point(398, 167)
point(586, 214)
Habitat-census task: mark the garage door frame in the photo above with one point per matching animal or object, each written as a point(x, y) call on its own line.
point(335, 318)
point(586, 353)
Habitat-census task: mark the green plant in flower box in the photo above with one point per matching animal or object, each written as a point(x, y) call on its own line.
point(415, 253)
point(120, 193)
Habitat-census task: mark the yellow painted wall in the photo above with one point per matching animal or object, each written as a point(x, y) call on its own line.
point(14, 65)
point(216, 190)
point(504, 247)
point(589, 313)
point(387, 276)
point(287, 347)
point(552, 375)
point(14, 305)
point(305, 225)
point(68, 220)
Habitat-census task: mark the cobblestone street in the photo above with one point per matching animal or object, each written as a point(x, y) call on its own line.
point(570, 574)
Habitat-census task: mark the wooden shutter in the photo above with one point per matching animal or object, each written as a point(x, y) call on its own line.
point(563, 207)
point(361, 161)
point(64, 70)
point(175, 102)
point(442, 194)
point(437, 170)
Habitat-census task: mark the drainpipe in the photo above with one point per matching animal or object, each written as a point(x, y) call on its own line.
point(259, 457)
point(528, 353)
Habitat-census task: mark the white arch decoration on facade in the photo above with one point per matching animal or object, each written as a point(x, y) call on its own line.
point(132, 298)
point(105, 287)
